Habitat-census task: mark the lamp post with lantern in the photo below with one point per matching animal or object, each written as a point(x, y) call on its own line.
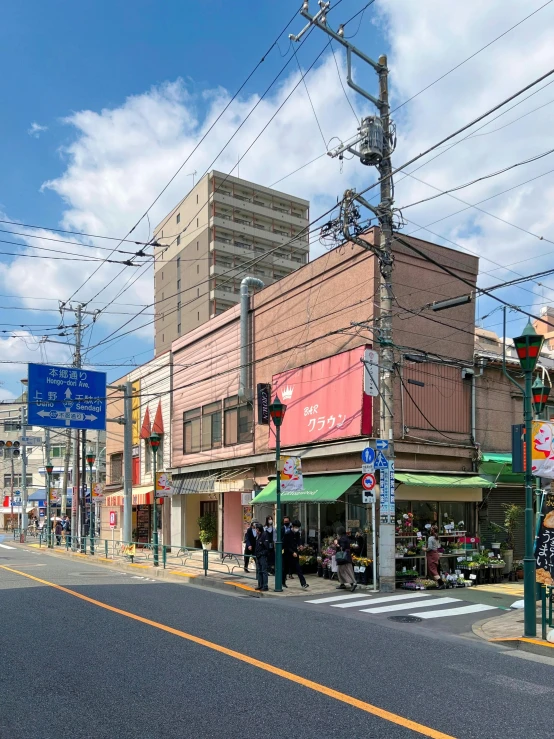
point(49, 469)
point(277, 412)
point(155, 445)
point(91, 457)
point(528, 347)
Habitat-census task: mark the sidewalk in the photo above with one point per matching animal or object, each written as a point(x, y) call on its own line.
point(507, 630)
point(226, 575)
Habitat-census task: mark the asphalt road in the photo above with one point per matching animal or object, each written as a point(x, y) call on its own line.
point(177, 661)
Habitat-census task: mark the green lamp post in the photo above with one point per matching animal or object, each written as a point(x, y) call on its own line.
point(277, 412)
point(90, 461)
point(155, 445)
point(528, 347)
point(49, 469)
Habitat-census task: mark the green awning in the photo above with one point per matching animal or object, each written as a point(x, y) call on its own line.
point(318, 489)
point(499, 458)
point(443, 481)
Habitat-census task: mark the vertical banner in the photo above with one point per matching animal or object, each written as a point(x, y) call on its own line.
point(291, 475)
point(544, 551)
point(263, 392)
point(135, 414)
point(542, 452)
point(164, 485)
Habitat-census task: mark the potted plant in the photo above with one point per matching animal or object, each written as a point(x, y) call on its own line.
point(208, 529)
point(519, 569)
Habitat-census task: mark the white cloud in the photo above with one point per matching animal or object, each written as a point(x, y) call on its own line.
point(428, 40)
point(36, 129)
point(23, 347)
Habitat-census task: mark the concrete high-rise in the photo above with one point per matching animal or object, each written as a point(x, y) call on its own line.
point(224, 229)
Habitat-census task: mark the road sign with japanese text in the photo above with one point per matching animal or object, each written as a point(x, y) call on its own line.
point(66, 397)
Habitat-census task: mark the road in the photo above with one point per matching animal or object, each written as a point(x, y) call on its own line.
point(93, 652)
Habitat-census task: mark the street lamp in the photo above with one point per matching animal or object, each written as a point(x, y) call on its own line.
point(528, 347)
point(90, 461)
point(155, 445)
point(277, 412)
point(540, 396)
point(49, 469)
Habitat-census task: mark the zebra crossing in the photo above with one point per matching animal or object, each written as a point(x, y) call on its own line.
point(422, 604)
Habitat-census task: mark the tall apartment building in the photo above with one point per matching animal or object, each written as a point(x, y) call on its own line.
point(208, 242)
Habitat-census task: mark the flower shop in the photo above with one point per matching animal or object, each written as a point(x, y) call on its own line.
point(450, 503)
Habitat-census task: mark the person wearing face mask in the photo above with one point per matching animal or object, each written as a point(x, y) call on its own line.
point(249, 544)
point(291, 562)
point(262, 555)
point(269, 528)
point(285, 529)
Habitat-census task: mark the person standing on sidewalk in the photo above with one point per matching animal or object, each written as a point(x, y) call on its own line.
point(272, 536)
point(58, 531)
point(249, 543)
point(433, 556)
point(291, 562)
point(262, 553)
point(345, 569)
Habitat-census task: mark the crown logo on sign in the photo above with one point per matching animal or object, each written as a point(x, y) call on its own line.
point(287, 392)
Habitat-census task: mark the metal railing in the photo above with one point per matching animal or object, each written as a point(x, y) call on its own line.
point(546, 594)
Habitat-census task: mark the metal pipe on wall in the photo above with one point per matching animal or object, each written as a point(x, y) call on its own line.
point(245, 391)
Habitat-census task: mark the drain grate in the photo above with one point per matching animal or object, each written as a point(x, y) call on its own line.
point(406, 619)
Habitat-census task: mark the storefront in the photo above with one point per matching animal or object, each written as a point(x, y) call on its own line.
point(142, 515)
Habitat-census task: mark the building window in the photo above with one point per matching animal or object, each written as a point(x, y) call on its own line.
point(237, 421)
point(211, 426)
point(178, 242)
point(178, 284)
point(12, 424)
point(178, 218)
point(116, 468)
point(191, 431)
point(57, 451)
point(17, 480)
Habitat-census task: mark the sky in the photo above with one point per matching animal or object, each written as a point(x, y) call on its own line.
point(105, 105)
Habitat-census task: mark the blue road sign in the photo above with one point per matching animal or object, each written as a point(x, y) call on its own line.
point(381, 443)
point(381, 462)
point(66, 397)
point(368, 455)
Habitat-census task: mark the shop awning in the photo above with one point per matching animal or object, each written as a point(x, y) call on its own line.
point(142, 495)
point(443, 481)
point(498, 457)
point(317, 489)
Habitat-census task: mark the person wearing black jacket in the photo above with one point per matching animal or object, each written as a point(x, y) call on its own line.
point(262, 553)
point(249, 544)
point(291, 540)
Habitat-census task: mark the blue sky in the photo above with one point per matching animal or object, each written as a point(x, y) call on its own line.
point(105, 100)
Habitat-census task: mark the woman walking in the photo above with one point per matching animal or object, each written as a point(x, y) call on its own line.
point(433, 556)
point(344, 561)
point(269, 528)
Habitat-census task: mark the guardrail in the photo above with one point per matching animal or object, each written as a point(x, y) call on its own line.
point(202, 560)
point(546, 593)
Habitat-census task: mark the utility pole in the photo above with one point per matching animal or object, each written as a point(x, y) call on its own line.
point(128, 465)
point(375, 139)
point(48, 476)
point(24, 524)
point(75, 522)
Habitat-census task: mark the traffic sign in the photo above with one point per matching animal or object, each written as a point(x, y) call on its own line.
point(367, 468)
point(381, 443)
point(113, 519)
point(368, 455)
point(368, 481)
point(387, 490)
point(381, 462)
point(371, 373)
point(368, 497)
point(30, 440)
point(66, 397)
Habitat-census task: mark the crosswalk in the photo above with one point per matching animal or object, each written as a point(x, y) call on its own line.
point(5, 546)
point(416, 601)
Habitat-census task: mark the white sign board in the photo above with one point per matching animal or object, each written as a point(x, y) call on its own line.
point(291, 475)
point(371, 373)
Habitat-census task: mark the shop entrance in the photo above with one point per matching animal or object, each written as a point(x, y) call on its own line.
point(210, 507)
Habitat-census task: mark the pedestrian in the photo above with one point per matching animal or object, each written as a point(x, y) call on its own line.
point(65, 526)
point(285, 529)
point(343, 559)
point(249, 544)
point(262, 555)
point(291, 562)
point(272, 536)
point(58, 531)
point(67, 530)
point(433, 556)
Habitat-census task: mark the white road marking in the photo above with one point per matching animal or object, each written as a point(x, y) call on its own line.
point(444, 612)
point(384, 599)
point(405, 606)
point(5, 546)
point(335, 597)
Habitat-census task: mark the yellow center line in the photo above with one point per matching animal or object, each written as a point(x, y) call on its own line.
point(285, 674)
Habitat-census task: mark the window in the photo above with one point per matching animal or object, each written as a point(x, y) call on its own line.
point(116, 467)
point(191, 431)
point(211, 426)
point(57, 451)
point(178, 218)
point(12, 424)
point(148, 455)
point(178, 284)
point(238, 421)
point(178, 243)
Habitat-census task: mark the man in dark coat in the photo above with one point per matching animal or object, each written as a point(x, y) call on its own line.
point(249, 544)
point(262, 555)
point(291, 540)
